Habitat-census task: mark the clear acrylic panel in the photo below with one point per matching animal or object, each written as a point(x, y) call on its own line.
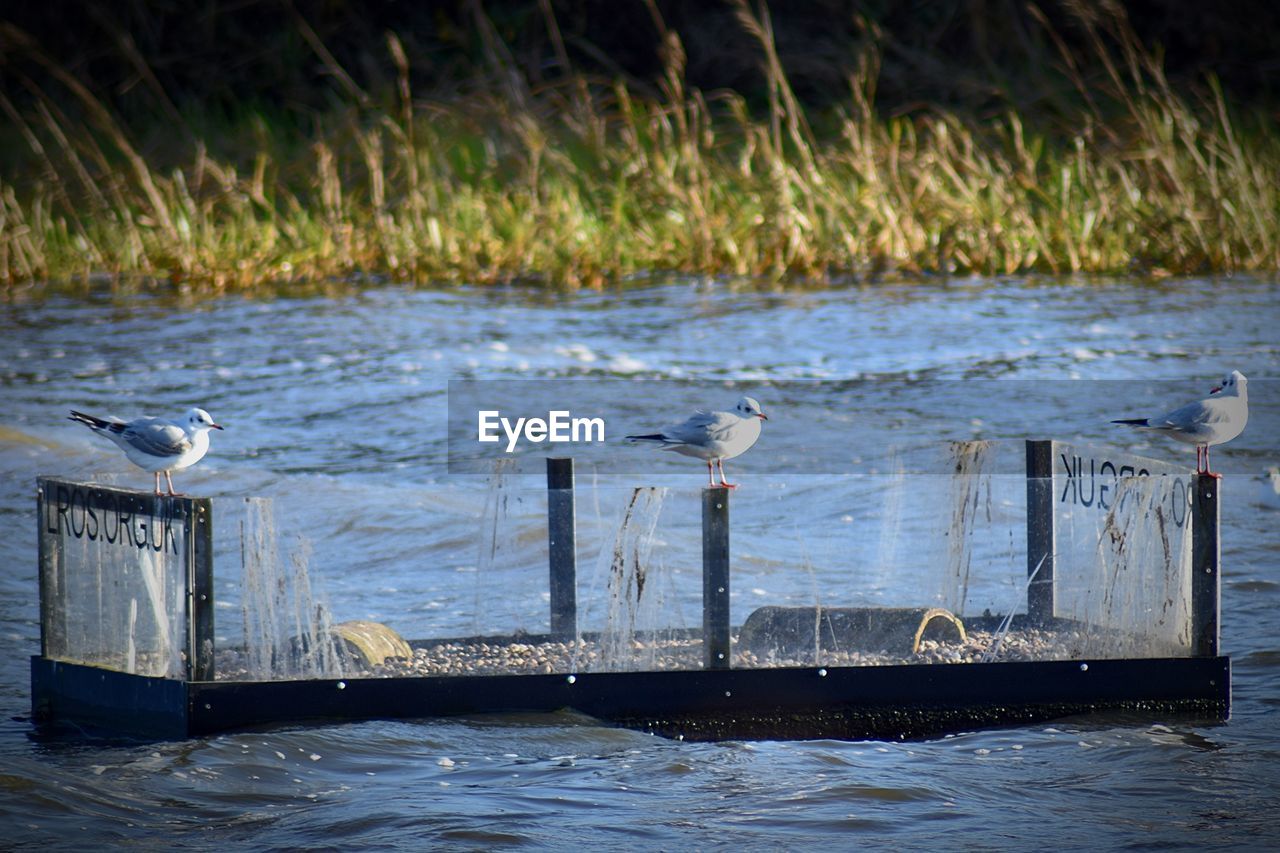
point(114, 579)
point(921, 562)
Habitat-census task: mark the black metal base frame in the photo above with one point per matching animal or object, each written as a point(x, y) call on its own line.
point(847, 703)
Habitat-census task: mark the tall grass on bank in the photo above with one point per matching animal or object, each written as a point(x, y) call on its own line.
point(585, 183)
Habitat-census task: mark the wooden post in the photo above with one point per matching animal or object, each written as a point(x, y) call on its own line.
point(1040, 533)
point(1206, 563)
point(715, 578)
point(562, 548)
point(200, 642)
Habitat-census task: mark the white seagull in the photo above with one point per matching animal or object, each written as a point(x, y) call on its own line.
point(1216, 419)
point(156, 444)
point(713, 436)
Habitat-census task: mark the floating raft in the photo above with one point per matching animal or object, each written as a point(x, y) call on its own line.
point(733, 682)
point(847, 703)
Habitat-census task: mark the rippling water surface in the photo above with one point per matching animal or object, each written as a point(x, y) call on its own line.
point(334, 406)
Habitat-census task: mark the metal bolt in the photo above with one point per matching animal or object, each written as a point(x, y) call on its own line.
point(1084, 667)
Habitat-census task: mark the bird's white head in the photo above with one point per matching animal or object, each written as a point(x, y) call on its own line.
point(198, 419)
point(749, 408)
point(1232, 386)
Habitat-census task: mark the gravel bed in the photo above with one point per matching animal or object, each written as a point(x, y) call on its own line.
point(656, 655)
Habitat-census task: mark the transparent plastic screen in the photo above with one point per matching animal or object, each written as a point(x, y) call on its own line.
point(921, 559)
point(115, 588)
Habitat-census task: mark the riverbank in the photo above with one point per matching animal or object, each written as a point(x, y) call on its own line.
point(585, 181)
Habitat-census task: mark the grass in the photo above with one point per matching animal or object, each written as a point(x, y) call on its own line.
point(586, 183)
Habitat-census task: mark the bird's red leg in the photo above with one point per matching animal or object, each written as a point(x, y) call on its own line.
point(158, 492)
point(723, 482)
point(711, 477)
point(169, 479)
point(1206, 465)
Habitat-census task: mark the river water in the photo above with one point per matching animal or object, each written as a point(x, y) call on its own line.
point(337, 406)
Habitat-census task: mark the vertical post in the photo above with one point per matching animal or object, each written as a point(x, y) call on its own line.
point(1040, 533)
point(715, 578)
point(199, 524)
point(562, 548)
point(48, 546)
point(1206, 560)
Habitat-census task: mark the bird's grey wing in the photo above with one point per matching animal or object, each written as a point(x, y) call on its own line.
point(1193, 415)
point(156, 436)
point(701, 427)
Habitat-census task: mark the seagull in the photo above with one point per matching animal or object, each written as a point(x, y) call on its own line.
point(157, 444)
point(713, 436)
point(1216, 419)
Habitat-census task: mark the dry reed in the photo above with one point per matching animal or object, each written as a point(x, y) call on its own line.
point(584, 183)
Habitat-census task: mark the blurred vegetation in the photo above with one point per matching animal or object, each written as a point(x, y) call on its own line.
point(227, 143)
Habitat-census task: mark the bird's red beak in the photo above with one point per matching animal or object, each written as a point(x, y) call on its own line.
point(762, 416)
point(1216, 389)
point(216, 426)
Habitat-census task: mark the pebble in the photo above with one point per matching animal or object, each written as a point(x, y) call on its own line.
point(681, 653)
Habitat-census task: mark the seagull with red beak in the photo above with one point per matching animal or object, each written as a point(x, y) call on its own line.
point(1214, 420)
point(712, 436)
point(156, 444)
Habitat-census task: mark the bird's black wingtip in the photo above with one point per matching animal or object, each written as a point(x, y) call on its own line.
point(91, 422)
point(1133, 421)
